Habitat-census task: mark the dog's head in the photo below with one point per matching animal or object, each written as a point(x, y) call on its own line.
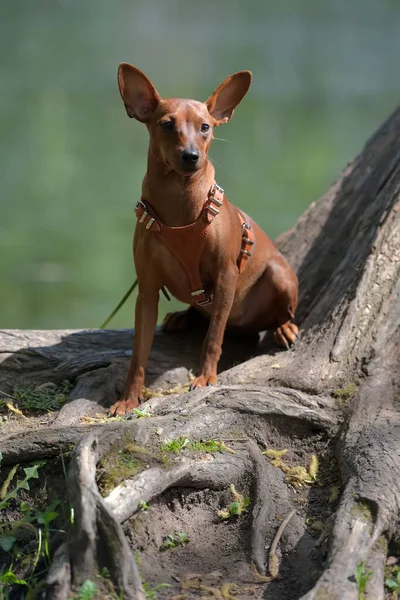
point(180, 130)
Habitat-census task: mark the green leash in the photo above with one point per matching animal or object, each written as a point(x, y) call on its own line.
point(124, 299)
point(121, 303)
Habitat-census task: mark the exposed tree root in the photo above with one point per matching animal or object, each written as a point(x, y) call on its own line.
point(95, 539)
point(124, 501)
point(58, 580)
point(370, 462)
point(225, 407)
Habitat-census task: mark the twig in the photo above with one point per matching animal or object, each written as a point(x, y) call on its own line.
point(273, 562)
point(9, 395)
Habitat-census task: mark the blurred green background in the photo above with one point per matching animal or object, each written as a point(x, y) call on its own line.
point(325, 76)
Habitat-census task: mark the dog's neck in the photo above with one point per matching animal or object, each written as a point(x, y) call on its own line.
point(177, 199)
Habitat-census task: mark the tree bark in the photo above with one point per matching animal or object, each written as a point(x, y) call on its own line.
point(336, 395)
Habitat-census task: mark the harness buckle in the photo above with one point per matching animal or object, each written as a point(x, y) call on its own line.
point(212, 209)
point(245, 226)
point(207, 300)
point(247, 240)
point(140, 204)
point(150, 223)
point(215, 187)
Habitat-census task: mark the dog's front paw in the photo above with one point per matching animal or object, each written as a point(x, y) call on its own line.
point(203, 381)
point(286, 335)
point(122, 407)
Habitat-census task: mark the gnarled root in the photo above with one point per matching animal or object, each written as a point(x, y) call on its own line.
point(95, 539)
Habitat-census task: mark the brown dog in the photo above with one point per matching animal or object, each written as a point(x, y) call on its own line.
point(190, 239)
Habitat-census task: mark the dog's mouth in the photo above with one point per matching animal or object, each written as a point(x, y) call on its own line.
point(189, 170)
point(185, 170)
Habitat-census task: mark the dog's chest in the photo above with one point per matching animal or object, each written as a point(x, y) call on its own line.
point(167, 269)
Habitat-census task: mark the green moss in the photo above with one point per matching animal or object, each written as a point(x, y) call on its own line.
point(381, 545)
point(132, 448)
point(209, 446)
point(362, 510)
point(123, 461)
point(68, 450)
point(166, 461)
point(115, 467)
point(47, 397)
point(181, 443)
point(345, 393)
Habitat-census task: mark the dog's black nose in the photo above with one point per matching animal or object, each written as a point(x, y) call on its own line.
point(189, 157)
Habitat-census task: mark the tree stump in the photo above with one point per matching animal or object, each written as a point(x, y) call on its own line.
point(334, 396)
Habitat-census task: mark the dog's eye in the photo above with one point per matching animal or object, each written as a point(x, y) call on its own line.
point(167, 125)
point(204, 128)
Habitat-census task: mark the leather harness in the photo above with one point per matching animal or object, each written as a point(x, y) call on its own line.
point(187, 242)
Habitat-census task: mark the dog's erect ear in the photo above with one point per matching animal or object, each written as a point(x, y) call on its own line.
point(227, 96)
point(138, 93)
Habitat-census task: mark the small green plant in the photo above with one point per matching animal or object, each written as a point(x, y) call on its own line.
point(172, 540)
point(44, 398)
point(144, 505)
point(42, 518)
point(22, 484)
point(175, 445)
point(105, 573)
point(235, 508)
point(141, 412)
point(7, 541)
point(9, 578)
point(362, 577)
point(33, 523)
point(151, 592)
point(393, 583)
point(87, 591)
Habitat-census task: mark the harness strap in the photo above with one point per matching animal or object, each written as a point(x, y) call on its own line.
point(187, 242)
point(247, 242)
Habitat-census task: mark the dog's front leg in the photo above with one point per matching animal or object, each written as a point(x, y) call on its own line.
point(224, 294)
point(145, 324)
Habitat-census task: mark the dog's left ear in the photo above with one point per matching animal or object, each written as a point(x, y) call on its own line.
point(222, 103)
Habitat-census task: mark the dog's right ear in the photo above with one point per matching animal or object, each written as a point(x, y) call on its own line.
point(138, 93)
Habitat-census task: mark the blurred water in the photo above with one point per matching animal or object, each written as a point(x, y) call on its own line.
point(325, 76)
